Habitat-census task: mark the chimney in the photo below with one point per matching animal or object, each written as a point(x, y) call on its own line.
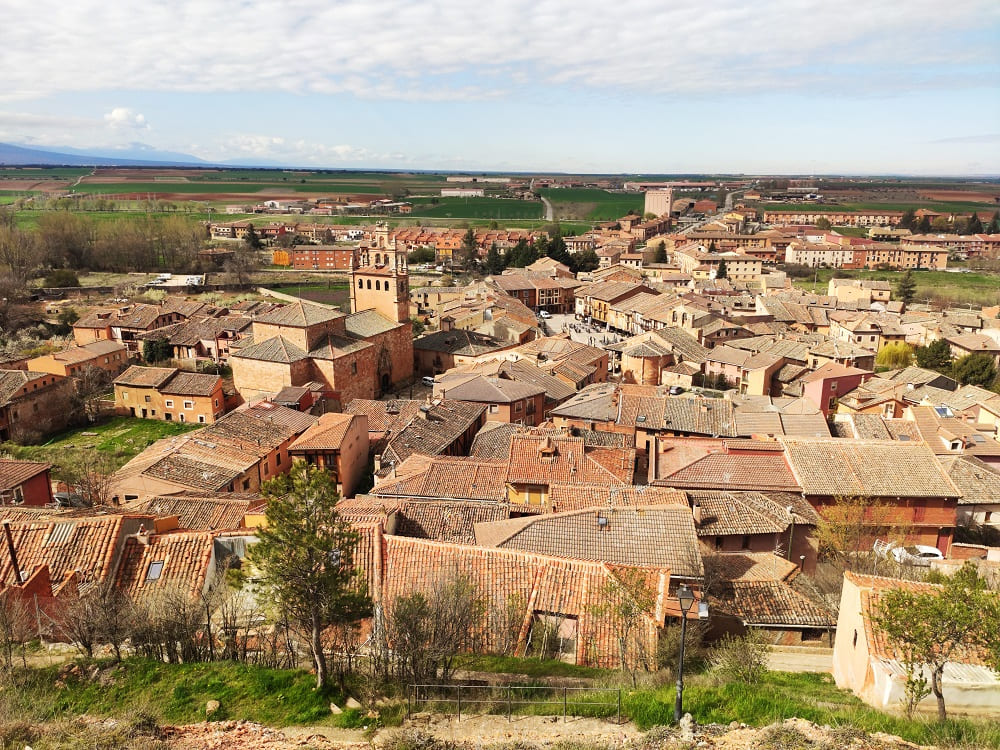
point(13, 554)
point(142, 535)
point(696, 514)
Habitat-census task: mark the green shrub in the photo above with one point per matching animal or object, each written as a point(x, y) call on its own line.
point(741, 659)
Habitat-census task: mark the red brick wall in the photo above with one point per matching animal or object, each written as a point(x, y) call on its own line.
point(38, 490)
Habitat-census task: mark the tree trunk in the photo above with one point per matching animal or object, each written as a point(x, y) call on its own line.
point(938, 689)
point(319, 658)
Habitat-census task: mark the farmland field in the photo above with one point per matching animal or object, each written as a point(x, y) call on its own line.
point(336, 293)
point(948, 207)
point(478, 208)
point(593, 204)
point(956, 288)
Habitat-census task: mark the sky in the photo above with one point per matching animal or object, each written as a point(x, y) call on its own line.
point(588, 86)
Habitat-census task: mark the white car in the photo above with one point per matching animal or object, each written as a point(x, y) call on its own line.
point(916, 554)
point(544, 314)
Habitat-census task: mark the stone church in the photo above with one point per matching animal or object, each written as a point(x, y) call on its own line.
point(361, 355)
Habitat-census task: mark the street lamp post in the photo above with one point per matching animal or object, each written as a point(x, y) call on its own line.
point(685, 597)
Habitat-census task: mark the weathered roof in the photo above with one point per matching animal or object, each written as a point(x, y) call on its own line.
point(15, 473)
point(434, 431)
point(275, 349)
point(300, 315)
point(183, 562)
point(200, 511)
point(368, 323)
point(138, 376)
point(493, 390)
point(328, 433)
point(978, 482)
point(650, 536)
point(192, 384)
point(460, 342)
point(875, 468)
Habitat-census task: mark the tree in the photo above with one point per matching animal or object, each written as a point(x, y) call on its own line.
point(925, 224)
point(973, 225)
point(906, 288)
point(156, 350)
point(427, 630)
point(908, 220)
point(19, 253)
point(585, 260)
point(470, 249)
point(90, 472)
point(421, 255)
point(625, 602)
point(252, 241)
point(494, 260)
point(823, 223)
point(935, 356)
point(934, 627)
point(306, 557)
point(661, 253)
point(721, 272)
point(241, 265)
point(994, 226)
point(895, 356)
point(975, 369)
point(61, 277)
point(92, 385)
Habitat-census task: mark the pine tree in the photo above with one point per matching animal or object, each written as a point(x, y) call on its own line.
point(906, 288)
point(252, 240)
point(494, 261)
point(661, 253)
point(305, 554)
point(973, 225)
point(909, 220)
point(935, 356)
point(994, 226)
point(925, 224)
point(721, 272)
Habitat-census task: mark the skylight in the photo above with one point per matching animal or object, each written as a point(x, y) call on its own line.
point(155, 569)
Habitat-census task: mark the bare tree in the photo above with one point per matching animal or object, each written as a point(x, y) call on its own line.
point(92, 385)
point(624, 603)
point(16, 628)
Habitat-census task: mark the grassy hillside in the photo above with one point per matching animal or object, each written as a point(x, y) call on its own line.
point(177, 694)
point(976, 288)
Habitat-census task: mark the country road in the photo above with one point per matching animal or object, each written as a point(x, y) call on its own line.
point(550, 214)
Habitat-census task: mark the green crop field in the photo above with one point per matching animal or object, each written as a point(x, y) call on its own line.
point(593, 204)
point(947, 207)
point(478, 208)
point(955, 288)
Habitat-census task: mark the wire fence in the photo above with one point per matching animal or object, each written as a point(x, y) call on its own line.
point(568, 700)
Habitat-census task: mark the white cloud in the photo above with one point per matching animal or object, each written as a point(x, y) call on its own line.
point(301, 152)
point(121, 118)
point(454, 49)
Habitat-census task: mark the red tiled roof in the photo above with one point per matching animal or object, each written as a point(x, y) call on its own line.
point(176, 560)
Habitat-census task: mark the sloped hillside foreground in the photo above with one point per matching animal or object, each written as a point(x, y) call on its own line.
point(442, 733)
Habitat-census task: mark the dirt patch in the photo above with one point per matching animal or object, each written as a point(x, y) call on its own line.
point(958, 196)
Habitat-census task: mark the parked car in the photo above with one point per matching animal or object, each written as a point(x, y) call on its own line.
point(676, 390)
point(544, 314)
point(428, 381)
point(911, 554)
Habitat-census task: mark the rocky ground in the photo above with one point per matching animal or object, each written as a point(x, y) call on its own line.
point(528, 733)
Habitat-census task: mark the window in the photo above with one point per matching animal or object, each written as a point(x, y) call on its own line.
point(18, 496)
point(354, 368)
point(517, 407)
point(155, 569)
point(169, 403)
point(181, 416)
point(125, 395)
point(494, 408)
point(369, 283)
point(216, 402)
point(360, 284)
point(746, 542)
point(147, 399)
point(266, 469)
point(277, 459)
point(201, 418)
point(189, 404)
point(246, 484)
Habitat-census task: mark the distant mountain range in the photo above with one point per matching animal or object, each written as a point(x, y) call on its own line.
point(136, 155)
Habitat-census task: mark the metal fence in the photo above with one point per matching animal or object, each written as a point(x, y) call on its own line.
point(511, 697)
